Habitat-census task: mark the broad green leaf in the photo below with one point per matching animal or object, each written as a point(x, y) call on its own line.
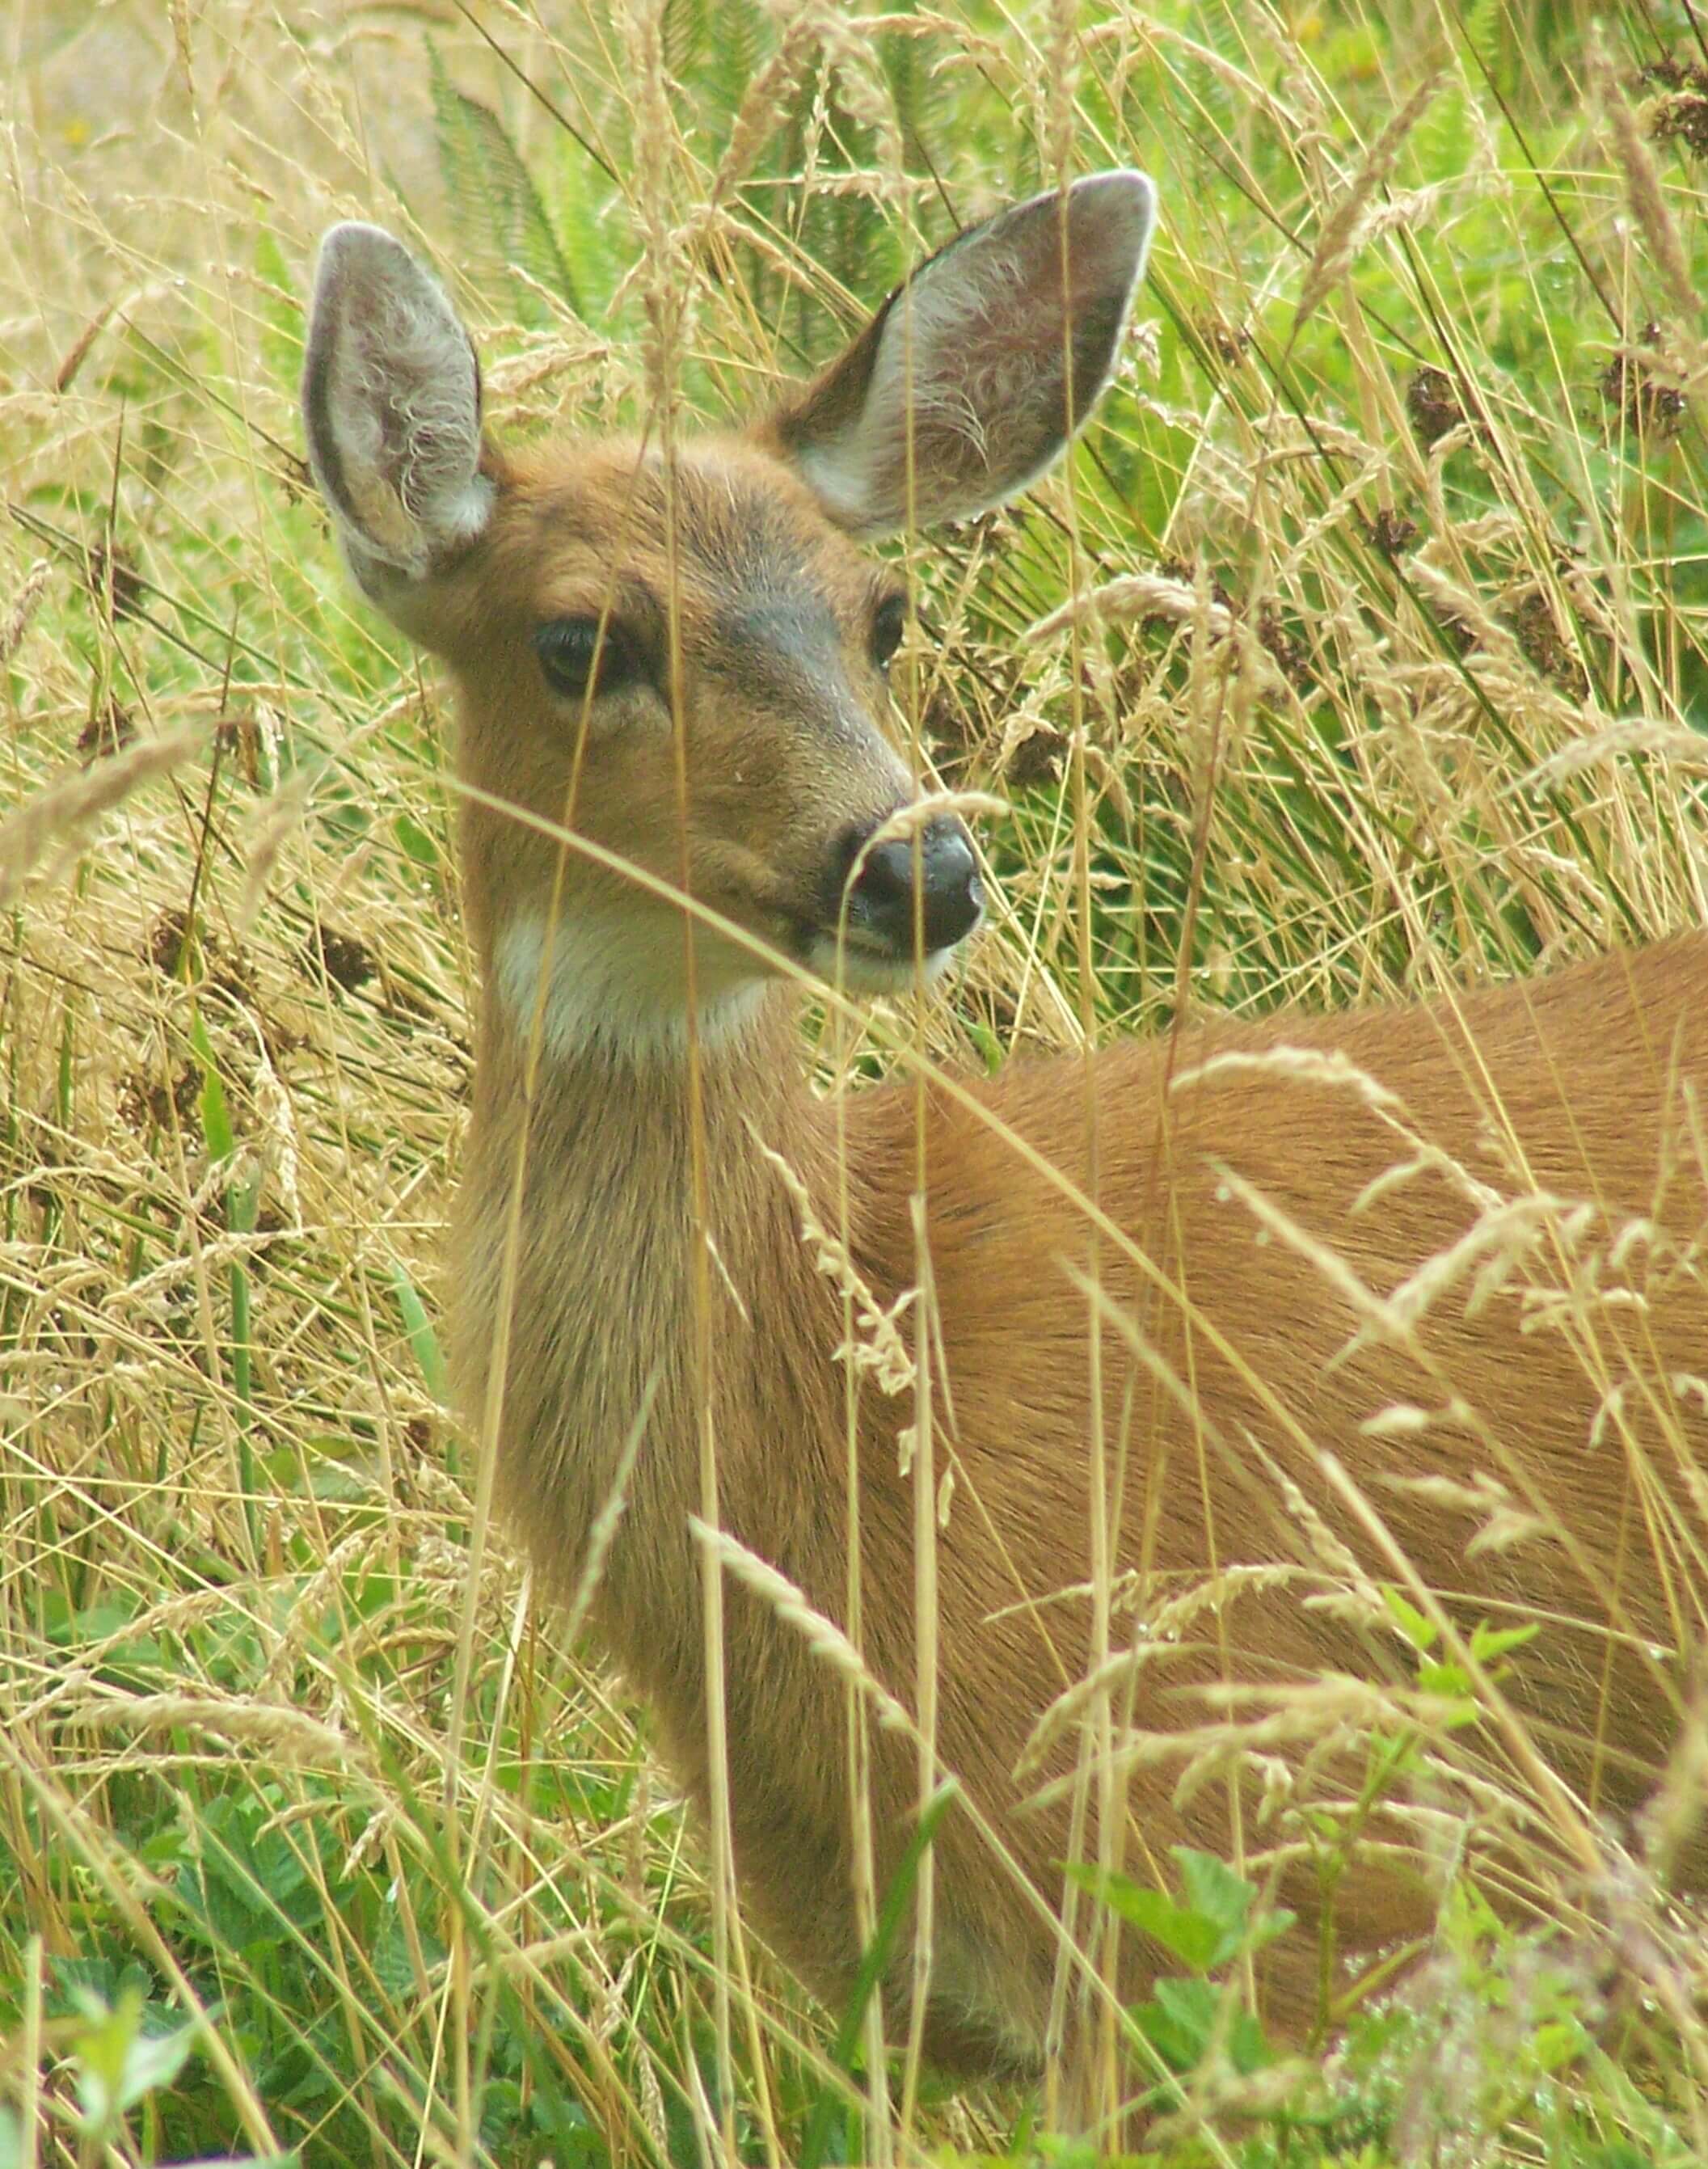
point(1192, 1937)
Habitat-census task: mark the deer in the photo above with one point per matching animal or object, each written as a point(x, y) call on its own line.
point(1205, 1329)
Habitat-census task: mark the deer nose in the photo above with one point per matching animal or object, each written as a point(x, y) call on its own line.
point(882, 900)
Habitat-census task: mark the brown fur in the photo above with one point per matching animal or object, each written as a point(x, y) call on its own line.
point(1571, 1085)
point(1233, 1361)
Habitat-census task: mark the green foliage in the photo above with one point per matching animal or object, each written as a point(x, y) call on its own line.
point(118, 2063)
point(126, 2058)
point(273, 1746)
point(499, 216)
point(828, 2114)
point(1208, 1929)
point(422, 1340)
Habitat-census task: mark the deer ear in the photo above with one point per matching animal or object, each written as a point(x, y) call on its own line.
point(969, 363)
point(392, 407)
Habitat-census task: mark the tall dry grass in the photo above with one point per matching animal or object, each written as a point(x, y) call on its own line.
point(1395, 524)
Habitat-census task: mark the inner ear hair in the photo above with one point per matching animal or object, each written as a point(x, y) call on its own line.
point(391, 409)
point(972, 378)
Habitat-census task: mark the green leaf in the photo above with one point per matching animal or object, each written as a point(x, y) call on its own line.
point(217, 1134)
point(828, 2105)
point(417, 1327)
point(1213, 1889)
point(1419, 1632)
point(101, 2050)
point(1556, 2043)
point(1248, 2050)
point(990, 1047)
point(91, 1986)
point(121, 2057)
point(494, 206)
point(1182, 2018)
point(1178, 2020)
point(155, 2060)
point(1489, 1643)
point(1190, 1936)
point(1214, 1923)
point(417, 844)
point(246, 1887)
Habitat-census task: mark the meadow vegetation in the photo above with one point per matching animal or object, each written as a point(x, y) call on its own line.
point(319, 1837)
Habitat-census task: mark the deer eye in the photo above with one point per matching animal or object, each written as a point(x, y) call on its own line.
point(889, 623)
point(583, 655)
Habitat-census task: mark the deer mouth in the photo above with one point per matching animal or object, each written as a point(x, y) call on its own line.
point(860, 962)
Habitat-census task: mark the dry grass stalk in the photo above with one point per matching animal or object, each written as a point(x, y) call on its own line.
point(1347, 863)
point(766, 96)
point(879, 1349)
point(1643, 190)
point(60, 813)
point(1136, 595)
point(1342, 232)
point(289, 1734)
point(1672, 743)
point(17, 623)
point(822, 1636)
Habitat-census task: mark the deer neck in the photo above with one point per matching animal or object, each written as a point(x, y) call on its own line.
point(629, 1258)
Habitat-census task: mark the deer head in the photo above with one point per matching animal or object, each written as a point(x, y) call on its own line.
point(681, 661)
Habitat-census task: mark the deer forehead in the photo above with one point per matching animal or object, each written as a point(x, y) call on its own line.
point(726, 536)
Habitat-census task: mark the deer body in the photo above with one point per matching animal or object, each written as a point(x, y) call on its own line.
point(605, 1294)
point(712, 647)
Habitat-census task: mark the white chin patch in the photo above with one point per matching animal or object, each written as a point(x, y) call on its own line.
point(858, 971)
point(594, 983)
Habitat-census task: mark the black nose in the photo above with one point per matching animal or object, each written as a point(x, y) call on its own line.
point(881, 903)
